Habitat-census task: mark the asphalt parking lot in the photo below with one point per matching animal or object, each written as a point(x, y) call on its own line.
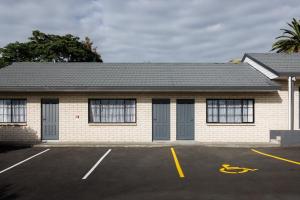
point(190, 172)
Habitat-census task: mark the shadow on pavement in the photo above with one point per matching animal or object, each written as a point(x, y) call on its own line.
point(6, 194)
point(9, 148)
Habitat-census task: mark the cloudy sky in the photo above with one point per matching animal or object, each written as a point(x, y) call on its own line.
point(154, 30)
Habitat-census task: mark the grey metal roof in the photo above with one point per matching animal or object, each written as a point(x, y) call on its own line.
point(133, 77)
point(278, 63)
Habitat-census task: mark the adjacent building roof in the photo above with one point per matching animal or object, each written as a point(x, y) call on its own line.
point(133, 77)
point(282, 64)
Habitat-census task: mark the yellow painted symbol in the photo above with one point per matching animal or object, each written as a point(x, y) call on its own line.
point(226, 168)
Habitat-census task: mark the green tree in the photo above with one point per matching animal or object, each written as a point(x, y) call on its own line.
point(289, 41)
point(43, 47)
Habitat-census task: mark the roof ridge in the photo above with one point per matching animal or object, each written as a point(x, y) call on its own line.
point(26, 62)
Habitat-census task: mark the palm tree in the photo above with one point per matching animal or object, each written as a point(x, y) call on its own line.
point(289, 41)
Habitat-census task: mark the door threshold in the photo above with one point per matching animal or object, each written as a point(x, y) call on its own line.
point(49, 141)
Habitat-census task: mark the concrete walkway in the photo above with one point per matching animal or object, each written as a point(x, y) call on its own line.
point(153, 144)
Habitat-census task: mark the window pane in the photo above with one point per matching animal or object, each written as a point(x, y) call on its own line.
point(222, 111)
point(245, 111)
point(119, 111)
point(1, 111)
point(250, 111)
point(95, 110)
point(215, 111)
point(212, 111)
point(111, 104)
point(7, 111)
point(238, 111)
point(104, 110)
point(12, 110)
point(18, 108)
point(130, 110)
point(209, 111)
point(230, 110)
point(15, 110)
point(112, 110)
point(23, 111)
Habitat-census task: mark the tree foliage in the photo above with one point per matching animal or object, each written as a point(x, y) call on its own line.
point(43, 47)
point(289, 41)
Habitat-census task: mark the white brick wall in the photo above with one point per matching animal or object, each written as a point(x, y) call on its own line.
point(271, 113)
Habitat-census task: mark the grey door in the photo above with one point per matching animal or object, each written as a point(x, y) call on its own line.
point(185, 122)
point(50, 119)
point(161, 119)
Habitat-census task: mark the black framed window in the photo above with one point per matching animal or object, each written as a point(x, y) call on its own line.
point(112, 110)
point(13, 110)
point(230, 110)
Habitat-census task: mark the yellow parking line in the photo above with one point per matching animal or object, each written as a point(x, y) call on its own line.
point(276, 157)
point(179, 169)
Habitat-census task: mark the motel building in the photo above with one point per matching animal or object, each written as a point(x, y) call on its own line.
point(256, 101)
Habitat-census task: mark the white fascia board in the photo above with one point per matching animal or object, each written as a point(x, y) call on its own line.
point(260, 68)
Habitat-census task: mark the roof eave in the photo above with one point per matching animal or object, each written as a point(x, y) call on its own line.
point(287, 74)
point(144, 89)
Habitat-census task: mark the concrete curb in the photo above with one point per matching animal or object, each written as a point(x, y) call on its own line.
point(157, 144)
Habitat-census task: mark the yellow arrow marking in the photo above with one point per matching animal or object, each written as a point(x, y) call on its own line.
point(226, 168)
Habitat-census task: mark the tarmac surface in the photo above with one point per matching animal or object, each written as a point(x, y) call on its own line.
point(149, 173)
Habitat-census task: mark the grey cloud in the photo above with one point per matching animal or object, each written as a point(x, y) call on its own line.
point(155, 30)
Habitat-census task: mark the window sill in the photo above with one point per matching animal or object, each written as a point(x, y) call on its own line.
point(13, 124)
point(230, 124)
point(112, 124)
